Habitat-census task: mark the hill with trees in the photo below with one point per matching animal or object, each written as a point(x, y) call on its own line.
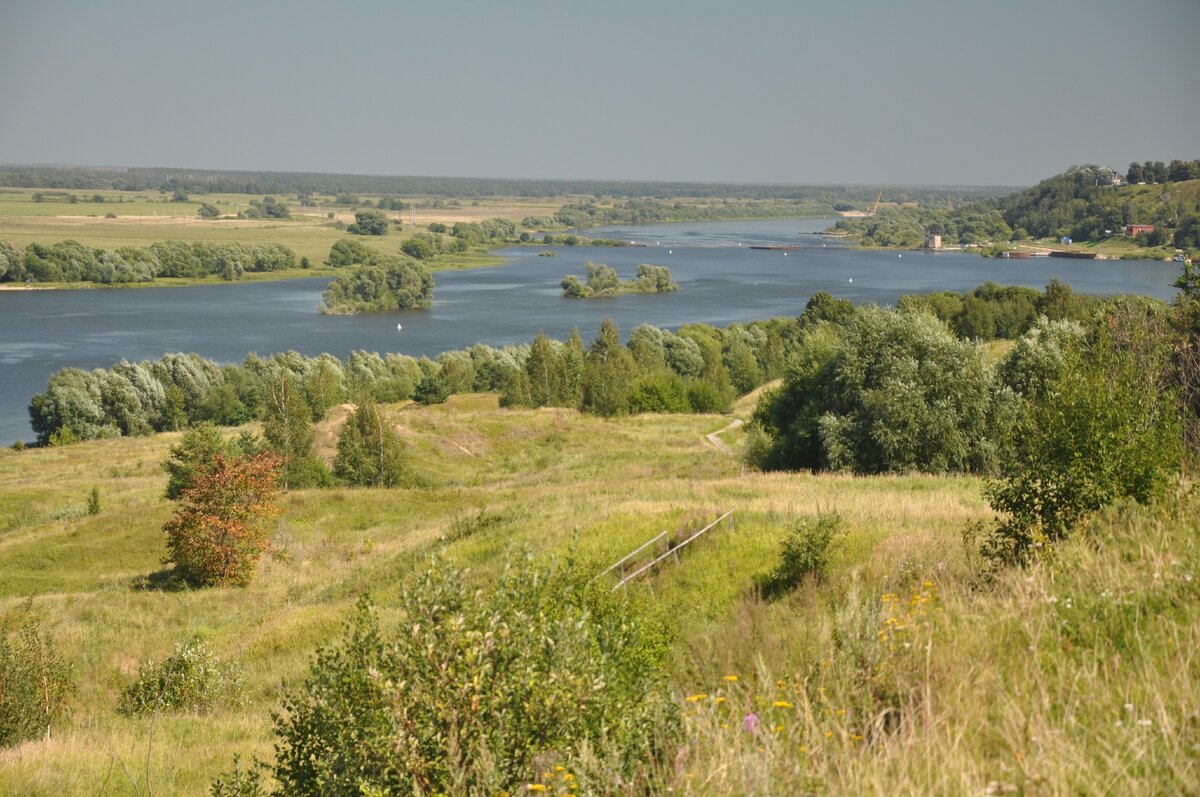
point(1088, 203)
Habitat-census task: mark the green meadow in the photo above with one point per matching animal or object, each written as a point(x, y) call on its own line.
point(1066, 678)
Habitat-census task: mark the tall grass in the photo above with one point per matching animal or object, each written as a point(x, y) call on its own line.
point(1010, 683)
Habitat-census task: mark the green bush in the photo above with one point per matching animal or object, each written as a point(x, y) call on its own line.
point(35, 685)
point(661, 391)
point(704, 396)
point(470, 689)
point(369, 451)
point(1107, 427)
point(885, 392)
point(805, 552)
point(432, 389)
point(189, 679)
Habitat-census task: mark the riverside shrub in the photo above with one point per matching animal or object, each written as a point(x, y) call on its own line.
point(467, 690)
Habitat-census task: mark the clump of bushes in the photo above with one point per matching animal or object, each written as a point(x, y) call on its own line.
point(804, 552)
point(470, 688)
point(1106, 426)
point(602, 281)
point(191, 678)
point(35, 685)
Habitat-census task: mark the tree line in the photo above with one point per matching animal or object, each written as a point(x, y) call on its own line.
point(71, 261)
point(1097, 400)
point(698, 368)
point(202, 181)
point(581, 215)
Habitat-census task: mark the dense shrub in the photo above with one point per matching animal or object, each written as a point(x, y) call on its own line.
point(348, 252)
point(35, 685)
point(191, 678)
point(392, 284)
point(369, 452)
point(467, 690)
point(660, 391)
point(216, 536)
point(805, 551)
point(369, 222)
point(1106, 427)
point(887, 391)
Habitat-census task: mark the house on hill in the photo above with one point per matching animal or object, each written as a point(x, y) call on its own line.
point(1134, 230)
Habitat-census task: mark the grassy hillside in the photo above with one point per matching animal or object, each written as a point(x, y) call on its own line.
point(1079, 678)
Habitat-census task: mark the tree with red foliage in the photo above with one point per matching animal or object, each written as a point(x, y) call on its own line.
point(216, 536)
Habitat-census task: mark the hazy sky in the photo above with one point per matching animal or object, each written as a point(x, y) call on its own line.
point(925, 91)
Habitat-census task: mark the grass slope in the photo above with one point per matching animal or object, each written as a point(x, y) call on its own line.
point(1012, 687)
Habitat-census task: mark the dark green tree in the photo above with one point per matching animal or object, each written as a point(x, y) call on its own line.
point(192, 456)
point(607, 373)
point(1107, 428)
point(369, 451)
point(288, 431)
point(369, 222)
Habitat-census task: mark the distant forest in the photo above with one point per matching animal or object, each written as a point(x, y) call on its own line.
point(201, 181)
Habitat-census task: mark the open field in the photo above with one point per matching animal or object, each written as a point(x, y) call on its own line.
point(142, 219)
point(556, 482)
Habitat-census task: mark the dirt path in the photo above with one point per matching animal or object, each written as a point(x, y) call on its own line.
point(716, 440)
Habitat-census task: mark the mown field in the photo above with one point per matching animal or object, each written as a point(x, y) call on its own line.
point(1069, 679)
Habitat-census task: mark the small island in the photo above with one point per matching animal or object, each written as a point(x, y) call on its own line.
point(390, 284)
point(602, 282)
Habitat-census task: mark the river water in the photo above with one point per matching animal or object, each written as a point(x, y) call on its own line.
point(720, 283)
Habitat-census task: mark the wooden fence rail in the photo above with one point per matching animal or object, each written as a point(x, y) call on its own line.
point(674, 550)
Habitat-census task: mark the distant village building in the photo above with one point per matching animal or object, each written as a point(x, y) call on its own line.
point(1066, 240)
point(933, 240)
point(1134, 230)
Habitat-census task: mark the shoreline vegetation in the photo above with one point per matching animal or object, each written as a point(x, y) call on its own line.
point(699, 368)
point(603, 282)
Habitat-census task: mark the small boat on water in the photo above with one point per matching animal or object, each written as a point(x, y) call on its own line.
point(398, 327)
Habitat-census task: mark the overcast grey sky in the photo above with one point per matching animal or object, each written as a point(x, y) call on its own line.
point(926, 91)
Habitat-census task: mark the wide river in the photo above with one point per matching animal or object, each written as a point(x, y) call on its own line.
point(720, 283)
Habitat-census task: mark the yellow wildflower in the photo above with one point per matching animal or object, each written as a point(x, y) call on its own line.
point(560, 768)
point(781, 704)
point(778, 728)
point(731, 678)
point(697, 697)
point(536, 787)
